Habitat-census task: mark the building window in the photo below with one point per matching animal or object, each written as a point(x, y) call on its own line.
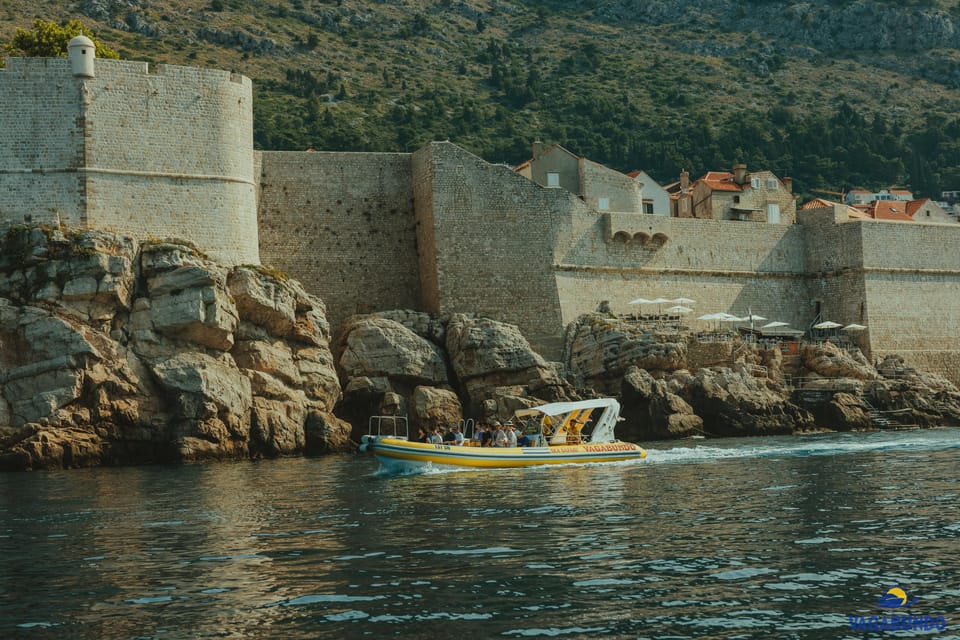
point(736, 199)
point(648, 207)
point(603, 204)
point(755, 182)
point(553, 179)
point(773, 213)
point(771, 183)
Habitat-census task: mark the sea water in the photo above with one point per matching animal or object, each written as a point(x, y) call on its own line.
point(788, 537)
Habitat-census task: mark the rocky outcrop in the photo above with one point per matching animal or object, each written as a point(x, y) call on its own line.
point(599, 350)
point(438, 371)
point(112, 352)
point(652, 412)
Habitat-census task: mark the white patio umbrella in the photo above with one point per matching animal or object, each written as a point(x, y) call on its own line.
point(683, 301)
point(658, 302)
point(775, 324)
point(680, 309)
point(854, 327)
point(639, 301)
point(828, 324)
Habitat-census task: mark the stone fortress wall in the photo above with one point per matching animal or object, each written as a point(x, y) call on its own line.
point(168, 153)
point(490, 241)
point(344, 225)
point(159, 152)
point(41, 142)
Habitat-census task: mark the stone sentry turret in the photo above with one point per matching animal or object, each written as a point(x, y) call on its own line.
point(162, 152)
point(82, 51)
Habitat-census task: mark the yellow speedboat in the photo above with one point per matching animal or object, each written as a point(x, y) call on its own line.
point(562, 433)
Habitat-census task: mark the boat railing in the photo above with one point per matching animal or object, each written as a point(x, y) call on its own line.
point(467, 428)
point(389, 426)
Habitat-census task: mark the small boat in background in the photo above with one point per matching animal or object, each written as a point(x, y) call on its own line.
point(561, 433)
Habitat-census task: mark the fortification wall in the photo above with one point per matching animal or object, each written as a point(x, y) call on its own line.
point(735, 267)
point(900, 280)
point(164, 154)
point(41, 142)
point(912, 293)
point(343, 224)
point(495, 234)
point(170, 154)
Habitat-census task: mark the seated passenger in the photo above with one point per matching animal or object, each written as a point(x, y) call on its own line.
point(511, 435)
point(487, 438)
point(499, 435)
point(457, 436)
point(523, 440)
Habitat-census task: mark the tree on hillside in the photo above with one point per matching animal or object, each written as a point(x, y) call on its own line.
point(49, 40)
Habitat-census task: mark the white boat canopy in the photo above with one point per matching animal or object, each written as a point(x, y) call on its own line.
point(560, 408)
point(603, 427)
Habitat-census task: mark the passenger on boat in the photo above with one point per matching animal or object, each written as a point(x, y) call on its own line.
point(435, 436)
point(422, 435)
point(449, 437)
point(511, 435)
point(457, 436)
point(499, 435)
point(523, 440)
point(487, 438)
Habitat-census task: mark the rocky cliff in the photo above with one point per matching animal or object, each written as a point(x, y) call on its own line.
point(115, 352)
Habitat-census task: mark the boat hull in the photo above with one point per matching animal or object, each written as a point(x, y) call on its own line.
point(399, 453)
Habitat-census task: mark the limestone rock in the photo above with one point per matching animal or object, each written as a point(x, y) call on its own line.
point(486, 355)
point(264, 301)
point(599, 350)
point(272, 358)
point(189, 301)
point(326, 433)
point(422, 324)
point(277, 416)
point(378, 347)
point(737, 403)
point(433, 407)
point(652, 412)
point(141, 356)
point(212, 400)
point(831, 361)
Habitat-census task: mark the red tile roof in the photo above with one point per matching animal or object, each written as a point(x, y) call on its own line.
point(720, 181)
point(818, 203)
point(889, 210)
point(915, 205)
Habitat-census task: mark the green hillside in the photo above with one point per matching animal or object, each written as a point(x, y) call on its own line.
point(837, 94)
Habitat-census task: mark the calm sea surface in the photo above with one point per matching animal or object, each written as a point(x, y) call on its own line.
point(756, 538)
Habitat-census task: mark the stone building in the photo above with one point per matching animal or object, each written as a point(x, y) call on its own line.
point(600, 187)
point(759, 196)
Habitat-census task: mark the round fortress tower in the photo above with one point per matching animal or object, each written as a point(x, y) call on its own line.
point(152, 152)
